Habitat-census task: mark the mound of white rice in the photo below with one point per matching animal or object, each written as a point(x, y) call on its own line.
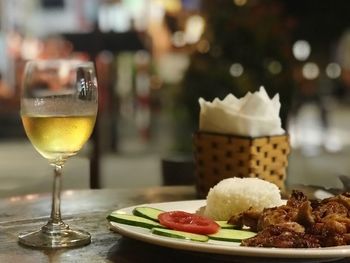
point(234, 195)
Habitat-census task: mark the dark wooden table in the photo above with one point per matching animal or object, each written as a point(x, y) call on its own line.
point(87, 209)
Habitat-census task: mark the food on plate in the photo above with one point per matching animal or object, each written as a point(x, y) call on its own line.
point(228, 235)
point(225, 225)
point(232, 235)
point(147, 212)
point(234, 195)
point(196, 228)
point(188, 222)
point(300, 223)
point(153, 213)
point(179, 234)
point(132, 220)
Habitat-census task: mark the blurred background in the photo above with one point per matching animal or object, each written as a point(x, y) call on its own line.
point(154, 59)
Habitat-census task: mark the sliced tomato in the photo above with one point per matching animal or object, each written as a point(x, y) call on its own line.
point(183, 221)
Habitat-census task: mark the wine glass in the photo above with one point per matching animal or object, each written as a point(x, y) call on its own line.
point(58, 111)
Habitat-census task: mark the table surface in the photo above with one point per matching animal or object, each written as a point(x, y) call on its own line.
point(87, 209)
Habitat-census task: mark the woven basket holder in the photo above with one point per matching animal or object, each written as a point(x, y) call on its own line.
point(219, 156)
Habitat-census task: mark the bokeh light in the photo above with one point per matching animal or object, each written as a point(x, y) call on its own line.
point(194, 29)
point(310, 71)
point(274, 67)
point(203, 46)
point(240, 2)
point(301, 50)
point(178, 39)
point(236, 70)
point(333, 70)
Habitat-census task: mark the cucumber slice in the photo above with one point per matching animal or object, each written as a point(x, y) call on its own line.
point(225, 225)
point(147, 212)
point(132, 220)
point(152, 213)
point(179, 234)
point(232, 235)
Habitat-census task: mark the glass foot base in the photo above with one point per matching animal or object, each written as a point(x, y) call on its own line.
point(61, 239)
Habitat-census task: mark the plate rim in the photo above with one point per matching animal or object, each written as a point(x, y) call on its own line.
point(219, 247)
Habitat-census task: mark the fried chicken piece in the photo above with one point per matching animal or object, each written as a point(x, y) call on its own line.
point(297, 209)
point(335, 240)
point(296, 199)
point(343, 199)
point(282, 236)
point(332, 230)
point(275, 216)
point(247, 218)
point(305, 215)
point(330, 207)
point(332, 220)
point(300, 223)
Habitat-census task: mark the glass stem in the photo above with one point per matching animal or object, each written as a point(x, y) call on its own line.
point(55, 223)
point(56, 196)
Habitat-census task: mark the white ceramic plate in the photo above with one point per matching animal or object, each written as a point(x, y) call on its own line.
point(220, 247)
